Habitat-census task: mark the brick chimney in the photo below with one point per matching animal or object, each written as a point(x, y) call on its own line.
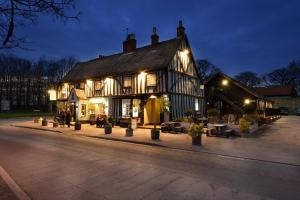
point(180, 30)
point(130, 43)
point(154, 37)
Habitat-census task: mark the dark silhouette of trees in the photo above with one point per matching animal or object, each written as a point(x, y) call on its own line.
point(24, 83)
point(207, 69)
point(248, 78)
point(17, 13)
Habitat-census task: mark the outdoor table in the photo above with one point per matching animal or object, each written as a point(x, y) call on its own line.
point(219, 128)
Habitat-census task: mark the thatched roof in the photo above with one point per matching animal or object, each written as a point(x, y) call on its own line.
point(148, 58)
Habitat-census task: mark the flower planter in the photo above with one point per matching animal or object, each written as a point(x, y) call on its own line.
point(154, 134)
point(55, 124)
point(107, 129)
point(44, 122)
point(197, 141)
point(77, 126)
point(129, 132)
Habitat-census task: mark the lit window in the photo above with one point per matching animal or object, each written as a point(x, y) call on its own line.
point(151, 80)
point(126, 107)
point(98, 85)
point(127, 81)
point(83, 110)
point(81, 85)
point(197, 104)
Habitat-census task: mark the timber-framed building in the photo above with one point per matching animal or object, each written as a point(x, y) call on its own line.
point(153, 83)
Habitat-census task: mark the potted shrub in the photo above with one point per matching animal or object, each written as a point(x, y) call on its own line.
point(112, 121)
point(155, 134)
point(107, 129)
point(36, 120)
point(77, 126)
point(244, 125)
point(129, 131)
point(55, 122)
point(44, 122)
point(195, 131)
point(213, 115)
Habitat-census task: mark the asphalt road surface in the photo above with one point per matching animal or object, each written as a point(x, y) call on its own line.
point(54, 166)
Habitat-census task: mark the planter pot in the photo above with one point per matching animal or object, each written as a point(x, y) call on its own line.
point(107, 129)
point(77, 126)
point(197, 141)
point(55, 124)
point(154, 134)
point(36, 120)
point(129, 132)
point(44, 122)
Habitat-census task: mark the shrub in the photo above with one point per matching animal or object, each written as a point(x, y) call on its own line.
point(244, 125)
point(178, 120)
point(195, 130)
point(188, 112)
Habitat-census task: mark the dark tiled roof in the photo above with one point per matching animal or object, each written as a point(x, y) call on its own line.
point(275, 91)
point(149, 57)
point(237, 83)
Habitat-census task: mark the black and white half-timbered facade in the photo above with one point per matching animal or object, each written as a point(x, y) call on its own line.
point(153, 83)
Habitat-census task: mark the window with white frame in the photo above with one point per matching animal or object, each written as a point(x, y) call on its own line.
point(83, 110)
point(98, 85)
point(127, 81)
point(126, 103)
point(151, 80)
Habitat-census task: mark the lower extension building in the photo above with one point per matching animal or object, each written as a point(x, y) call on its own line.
point(230, 96)
point(153, 83)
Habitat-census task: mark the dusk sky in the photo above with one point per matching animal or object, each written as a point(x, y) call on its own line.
point(235, 35)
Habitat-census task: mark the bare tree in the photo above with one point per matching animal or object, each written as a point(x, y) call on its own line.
point(207, 69)
point(249, 79)
point(16, 13)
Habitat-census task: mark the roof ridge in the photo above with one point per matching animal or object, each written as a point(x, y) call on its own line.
point(142, 47)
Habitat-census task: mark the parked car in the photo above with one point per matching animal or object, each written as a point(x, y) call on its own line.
point(298, 112)
point(284, 110)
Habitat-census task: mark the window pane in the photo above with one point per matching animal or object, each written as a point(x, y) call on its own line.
point(98, 85)
point(151, 80)
point(127, 81)
point(126, 107)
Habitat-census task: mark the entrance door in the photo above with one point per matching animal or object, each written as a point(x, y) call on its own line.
point(152, 111)
point(72, 108)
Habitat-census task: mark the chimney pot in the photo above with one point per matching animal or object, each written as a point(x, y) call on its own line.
point(154, 37)
point(130, 43)
point(180, 29)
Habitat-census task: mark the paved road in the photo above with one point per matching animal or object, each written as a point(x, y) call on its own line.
point(53, 166)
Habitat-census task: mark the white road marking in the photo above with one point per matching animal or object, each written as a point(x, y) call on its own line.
point(13, 185)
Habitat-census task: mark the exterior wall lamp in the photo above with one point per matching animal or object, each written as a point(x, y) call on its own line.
point(224, 82)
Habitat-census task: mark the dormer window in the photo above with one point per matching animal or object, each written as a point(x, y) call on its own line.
point(151, 80)
point(127, 81)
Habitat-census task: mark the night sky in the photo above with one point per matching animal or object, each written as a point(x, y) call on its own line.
point(235, 35)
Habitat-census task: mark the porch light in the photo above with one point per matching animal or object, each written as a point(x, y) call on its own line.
point(184, 52)
point(224, 82)
point(143, 74)
point(152, 97)
point(247, 101)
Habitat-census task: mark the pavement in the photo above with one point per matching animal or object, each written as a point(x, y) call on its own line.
point(253, 146)
point(5, 192)
point(55, 165)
